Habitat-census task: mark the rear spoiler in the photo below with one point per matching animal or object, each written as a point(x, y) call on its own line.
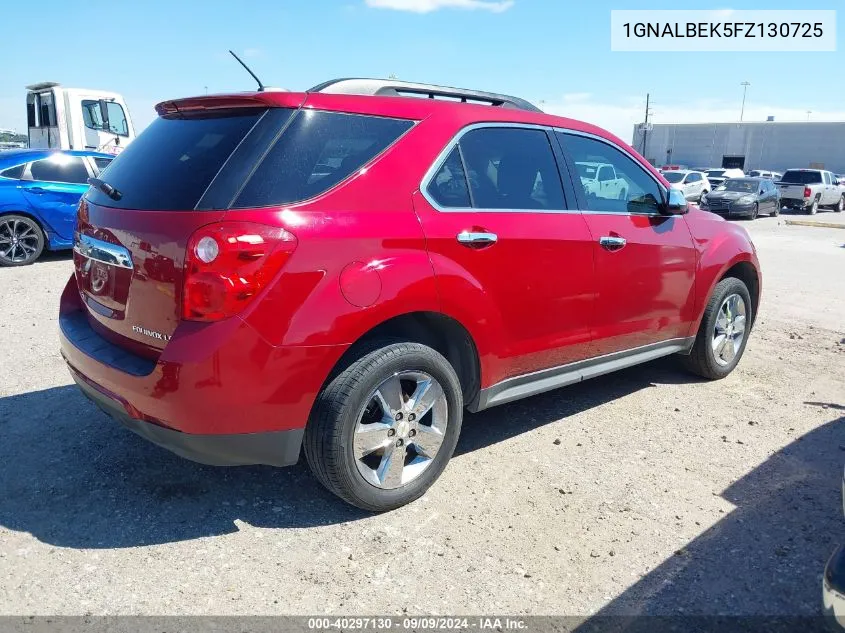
point(223, 103)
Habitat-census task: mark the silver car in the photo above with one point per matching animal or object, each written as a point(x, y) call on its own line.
point(694, 184)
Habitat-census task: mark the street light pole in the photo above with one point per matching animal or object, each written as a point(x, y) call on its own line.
point(744, 85)
point(809, 112)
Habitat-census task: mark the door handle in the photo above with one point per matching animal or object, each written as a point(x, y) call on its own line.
point(478, 239)
point(38, 190)
point(612, 243)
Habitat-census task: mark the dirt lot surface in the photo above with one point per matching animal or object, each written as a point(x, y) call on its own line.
point(640, 492)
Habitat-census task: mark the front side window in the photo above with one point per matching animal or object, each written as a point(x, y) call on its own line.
point(92, 117)
point(315, 152)
point(448, 187)
point(633, 190)
point(60, 168)
point(511, 168)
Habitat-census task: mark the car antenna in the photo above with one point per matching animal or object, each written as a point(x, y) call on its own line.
point(254, 76)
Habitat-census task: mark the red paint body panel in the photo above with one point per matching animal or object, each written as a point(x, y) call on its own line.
point(646, 290)
point(371, 249)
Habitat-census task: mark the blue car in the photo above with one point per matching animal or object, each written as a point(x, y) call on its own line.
point(39, 191)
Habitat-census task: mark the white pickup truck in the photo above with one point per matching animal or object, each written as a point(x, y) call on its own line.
point(602, 181)
point(809, 189)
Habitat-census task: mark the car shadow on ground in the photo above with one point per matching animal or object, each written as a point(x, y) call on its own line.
point(72, 477)
point(765, 558)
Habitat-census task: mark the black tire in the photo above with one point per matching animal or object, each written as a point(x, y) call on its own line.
point(34, 236)
point(755, 212)
point(813, 208)
point(703, 193)
point(702, 360)
point(776, 211)
point(329, 433)
point(840, 206)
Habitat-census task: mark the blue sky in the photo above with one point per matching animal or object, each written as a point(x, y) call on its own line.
point(552, 51)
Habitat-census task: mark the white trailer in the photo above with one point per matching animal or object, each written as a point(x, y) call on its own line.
point(77, 118)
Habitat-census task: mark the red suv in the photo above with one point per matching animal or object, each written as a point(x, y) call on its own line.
point(345, 270)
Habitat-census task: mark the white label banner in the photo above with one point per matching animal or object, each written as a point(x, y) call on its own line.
point(723, 30)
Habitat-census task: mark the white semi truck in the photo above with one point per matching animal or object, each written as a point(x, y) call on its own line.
point(77, 118)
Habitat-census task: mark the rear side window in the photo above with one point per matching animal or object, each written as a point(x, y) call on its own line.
point(317, 151)
point(172, 162)
point(13, 172)
point(449, 188)
point(60, 168)
point(102, 163)
point(511, 168)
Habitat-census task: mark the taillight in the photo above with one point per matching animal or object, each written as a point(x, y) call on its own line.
point(228, 264)
point(807, 192)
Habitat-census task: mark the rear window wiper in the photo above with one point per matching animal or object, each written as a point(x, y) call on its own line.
point(106, 188)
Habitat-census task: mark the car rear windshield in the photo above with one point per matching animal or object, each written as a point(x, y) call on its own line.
point(800, 177)
point(316, 151)
point(674, 176)
point(171, 164)
point(715, 172)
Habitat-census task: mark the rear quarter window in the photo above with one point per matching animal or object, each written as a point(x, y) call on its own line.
point(315, 152)
point(171, 163)
point(13, 172)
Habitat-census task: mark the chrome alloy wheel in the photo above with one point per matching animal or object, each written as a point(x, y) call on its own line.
point(730, 329)
point(18, 240)
point(400, 430)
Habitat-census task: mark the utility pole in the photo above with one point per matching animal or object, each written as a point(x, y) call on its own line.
point(809, 112)
point(744, 85)
point(645, 126)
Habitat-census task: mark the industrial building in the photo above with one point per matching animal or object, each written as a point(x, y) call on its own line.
point(772, 145)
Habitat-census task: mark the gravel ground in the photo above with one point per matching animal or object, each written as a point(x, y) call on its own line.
point(641, 492)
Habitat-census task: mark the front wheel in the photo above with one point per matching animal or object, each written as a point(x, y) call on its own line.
point(755, 211)
point(701, 197)
point(21, 240)
point(383, 430)
point(724, 330)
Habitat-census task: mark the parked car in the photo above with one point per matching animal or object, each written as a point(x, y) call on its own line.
point(833, 581)
point(809, 189)
point(451, 258)
point(720, 175)
point(601, 180)
point(770, 175)
point(39, 191)
point(743, 197)
point(693, 184)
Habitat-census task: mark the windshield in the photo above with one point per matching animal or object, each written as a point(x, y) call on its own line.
point(802, 177)
point(715, 172)
point(745, 186)
point(673, 176)
point(755, 172)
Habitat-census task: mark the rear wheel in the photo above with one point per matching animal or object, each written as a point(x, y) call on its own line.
point(383, 430)
point(776, 209)
point(840, 206)
point(21, 240)
point(724, 330)
point(814, 208)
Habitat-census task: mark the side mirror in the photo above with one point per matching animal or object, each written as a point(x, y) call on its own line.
point(676, 205)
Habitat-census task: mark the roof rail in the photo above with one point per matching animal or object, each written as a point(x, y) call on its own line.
point(396, 88)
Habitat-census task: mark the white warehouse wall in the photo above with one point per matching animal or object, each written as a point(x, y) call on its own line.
point(765, 145)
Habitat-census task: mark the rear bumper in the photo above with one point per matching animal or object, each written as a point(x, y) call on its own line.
point(833, 586)
point(219, 393)
point(795, 203)
point(274, 448)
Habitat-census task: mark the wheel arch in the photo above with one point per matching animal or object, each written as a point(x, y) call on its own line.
point(437, 330)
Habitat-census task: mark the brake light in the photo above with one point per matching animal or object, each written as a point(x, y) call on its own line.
point(228, 264)
point(807, 192)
